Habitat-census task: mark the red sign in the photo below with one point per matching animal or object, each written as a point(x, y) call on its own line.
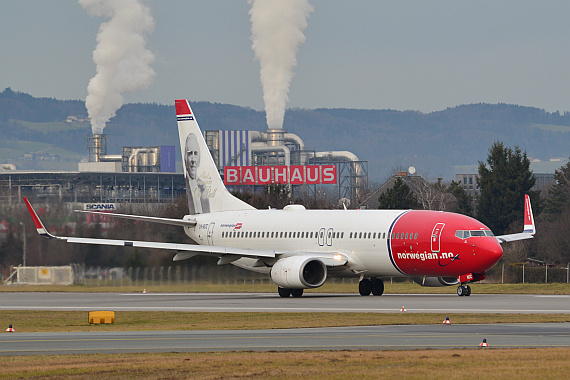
point(294, 175)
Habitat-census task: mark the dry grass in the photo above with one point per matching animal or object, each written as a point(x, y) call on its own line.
point(548, 363)
point(67, 321)
point(329, 287)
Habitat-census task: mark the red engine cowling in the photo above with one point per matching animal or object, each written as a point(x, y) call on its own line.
point(436, 281)
point(299, 272)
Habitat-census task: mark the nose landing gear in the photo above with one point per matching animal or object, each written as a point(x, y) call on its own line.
point(463, 290)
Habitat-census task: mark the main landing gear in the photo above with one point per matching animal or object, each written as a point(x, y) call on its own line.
point(283, 292)
point(463, 290)
point(371, 285)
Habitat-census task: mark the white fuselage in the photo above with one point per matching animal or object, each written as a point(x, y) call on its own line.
point(362, 234)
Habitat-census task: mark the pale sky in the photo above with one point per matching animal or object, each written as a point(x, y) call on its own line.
point(404, 55)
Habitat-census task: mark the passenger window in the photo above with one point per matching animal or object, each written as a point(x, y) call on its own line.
point(406, 236)
point(415, 236)
point(374, 236)
point(384, 235)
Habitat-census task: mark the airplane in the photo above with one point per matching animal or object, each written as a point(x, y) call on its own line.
point(299, 248)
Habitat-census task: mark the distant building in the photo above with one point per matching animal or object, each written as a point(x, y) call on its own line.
point(90, 187)
point(543, 173)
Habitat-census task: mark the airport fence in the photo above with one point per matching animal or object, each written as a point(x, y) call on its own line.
point(231, 275)
point(525, 273)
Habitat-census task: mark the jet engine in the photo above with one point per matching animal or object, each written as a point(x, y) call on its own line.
point(299, 272)
point(436, 281)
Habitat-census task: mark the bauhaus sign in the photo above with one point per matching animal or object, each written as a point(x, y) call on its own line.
point(294, 174)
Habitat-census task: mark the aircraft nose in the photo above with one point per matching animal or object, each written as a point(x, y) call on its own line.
point(491, 252)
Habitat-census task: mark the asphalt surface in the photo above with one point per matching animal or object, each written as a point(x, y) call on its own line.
point(367, 337)
point(335, 338)
point(271, 302)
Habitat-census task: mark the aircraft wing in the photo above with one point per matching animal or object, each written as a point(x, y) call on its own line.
point(185, 251)
point(514, 237)
point(529, 228)
point(173, 222)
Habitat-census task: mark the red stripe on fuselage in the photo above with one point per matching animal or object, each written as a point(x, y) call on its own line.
point(423, 243)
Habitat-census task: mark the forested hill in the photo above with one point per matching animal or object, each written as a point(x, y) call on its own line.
point(387, 139)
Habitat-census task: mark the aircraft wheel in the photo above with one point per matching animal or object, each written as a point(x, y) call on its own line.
point(460, 290)
point(297, 292)
point(377, 286)
point(283, 292)
point(467, 290)
point(365, 287)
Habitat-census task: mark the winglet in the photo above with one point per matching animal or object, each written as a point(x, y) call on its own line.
point(37, 222)
point(528, 217)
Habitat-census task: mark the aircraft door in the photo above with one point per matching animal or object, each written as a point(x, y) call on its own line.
point(211, 233)
point(329, 237)
point(436, 237)
point(321, 237)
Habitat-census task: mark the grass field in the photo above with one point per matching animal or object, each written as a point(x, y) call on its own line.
point(67, 321)
point(487, 363)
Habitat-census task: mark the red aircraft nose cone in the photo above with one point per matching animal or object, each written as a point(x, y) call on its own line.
point(491, 252)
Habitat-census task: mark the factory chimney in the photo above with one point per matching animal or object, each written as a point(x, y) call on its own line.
point(97, 147)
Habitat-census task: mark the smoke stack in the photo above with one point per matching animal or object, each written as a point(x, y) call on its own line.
point(97, 147)
point(276, 34)
point(122, 59)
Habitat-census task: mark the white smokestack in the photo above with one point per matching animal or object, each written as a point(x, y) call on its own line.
point(123, 62)
point(277, 32)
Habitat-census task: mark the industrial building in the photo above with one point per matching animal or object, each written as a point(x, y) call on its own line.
point(253, 150)
point(148, 173)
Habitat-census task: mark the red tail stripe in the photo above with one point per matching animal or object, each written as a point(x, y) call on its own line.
point(182, 107)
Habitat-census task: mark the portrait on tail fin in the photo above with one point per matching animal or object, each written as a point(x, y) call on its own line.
point(197, 188)
point(204, 187)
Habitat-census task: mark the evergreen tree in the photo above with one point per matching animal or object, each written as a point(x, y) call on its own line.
point(398, 197)
point(503, 182)
point(464, 199)
point(560, 192)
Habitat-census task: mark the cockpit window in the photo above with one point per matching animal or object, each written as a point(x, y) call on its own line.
point(462, 234)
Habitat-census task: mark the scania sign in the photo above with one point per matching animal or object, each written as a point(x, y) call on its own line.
point(100, 207)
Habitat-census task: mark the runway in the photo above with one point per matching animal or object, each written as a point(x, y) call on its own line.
point(271, 302)
point(336, 338)
point(370, 337)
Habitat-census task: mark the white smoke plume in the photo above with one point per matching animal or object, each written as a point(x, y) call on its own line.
point(122, 59)
point(276, 33)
